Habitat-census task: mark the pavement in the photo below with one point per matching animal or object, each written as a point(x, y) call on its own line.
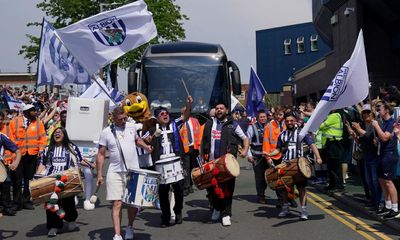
point(354, 197)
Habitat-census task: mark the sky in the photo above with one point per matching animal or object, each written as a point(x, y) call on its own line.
point(231, 23)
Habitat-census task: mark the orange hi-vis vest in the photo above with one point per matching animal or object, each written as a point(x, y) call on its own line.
point(196, 134)
point(271, 135)
point(8, 156)
point(29, 140)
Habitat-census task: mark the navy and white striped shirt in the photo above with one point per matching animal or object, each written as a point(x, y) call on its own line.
point(292, 143)
point(60, 159)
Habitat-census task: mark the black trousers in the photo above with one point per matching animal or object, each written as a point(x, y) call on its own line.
point(24, 172)
point(334, 154)
point(68, 205)
point(5, 191)
point(224, 205)
point(259, 167)
point(189, 163)
point(163, 192)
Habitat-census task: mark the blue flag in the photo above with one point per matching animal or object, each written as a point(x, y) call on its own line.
point(56, 65)
point(255, 95)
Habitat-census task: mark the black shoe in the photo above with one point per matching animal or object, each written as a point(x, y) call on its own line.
point(391, 214)
point(262, 200)
point(9, 212)
point(16, 207)
point(185, 193)
point(178, 218)
point(293, 203)
point(383, 211)
point(341, 189)
point(165, 224)
point(28, 206)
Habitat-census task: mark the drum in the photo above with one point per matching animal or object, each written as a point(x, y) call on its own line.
point(42, 188)
point(286, 174)
point(170, 169)
point(227, 168)
point(141, 188)
point(3, 172)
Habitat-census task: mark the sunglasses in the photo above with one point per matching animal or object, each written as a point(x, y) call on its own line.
point(163, 113)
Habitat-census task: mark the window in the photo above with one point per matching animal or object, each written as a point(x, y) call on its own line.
point(314, 42)
point(287, 46)
point(300, 44)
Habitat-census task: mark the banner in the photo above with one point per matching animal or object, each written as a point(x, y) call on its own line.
point(349, 87)
point(255, 95)
point(56, 65)
point(98, 40)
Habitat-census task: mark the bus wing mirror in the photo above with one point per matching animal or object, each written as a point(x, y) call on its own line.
point(235, 76)
point(132, 77)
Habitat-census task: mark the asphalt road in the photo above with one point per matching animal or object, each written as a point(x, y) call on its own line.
point(328, 219)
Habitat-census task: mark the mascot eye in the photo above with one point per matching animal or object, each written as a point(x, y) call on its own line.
point(127, 102)
point(138, 99)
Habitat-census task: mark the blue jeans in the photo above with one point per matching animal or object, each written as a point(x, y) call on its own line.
point(371, 176)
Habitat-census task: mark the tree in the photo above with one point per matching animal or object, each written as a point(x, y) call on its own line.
point(166, 15)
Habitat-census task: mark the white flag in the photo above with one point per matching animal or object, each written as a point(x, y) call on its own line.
point(234, 102)
point(95, 91)
point(98, 40)
point(56, 65)
point(349, 87)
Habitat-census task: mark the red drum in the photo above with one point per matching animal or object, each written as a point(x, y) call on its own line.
point(222, 169)
point(287, 174)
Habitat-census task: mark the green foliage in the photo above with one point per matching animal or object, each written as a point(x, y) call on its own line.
point(61, 13)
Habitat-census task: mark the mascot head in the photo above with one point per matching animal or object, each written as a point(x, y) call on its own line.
point(137, 106)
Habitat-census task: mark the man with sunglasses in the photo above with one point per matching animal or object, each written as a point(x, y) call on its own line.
point(169, 143)
point(290, 148)
point(120, 139)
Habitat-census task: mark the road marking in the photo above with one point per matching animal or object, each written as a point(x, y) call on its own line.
point(354, 227)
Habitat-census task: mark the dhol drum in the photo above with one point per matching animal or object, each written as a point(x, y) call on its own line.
point(170, 169)
point(42, 188)
point(286, 174)
point(3, 172)
point(227, 168)
point(141, 188)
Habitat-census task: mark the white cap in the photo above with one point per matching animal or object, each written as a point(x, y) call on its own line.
point(27, 107)
point(366, 107)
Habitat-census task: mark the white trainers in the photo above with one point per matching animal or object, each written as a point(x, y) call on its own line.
point(117, 237)
point(87, 205)
point(284, 212)
point(52, 232)
point(215, 215)
point(304, 215)
point(129, 233)
point(72, 226)
point(226, 221)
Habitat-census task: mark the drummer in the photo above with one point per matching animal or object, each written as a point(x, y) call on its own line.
point(120, 138)
point(288, 145)
point(170, 145)
point(221, 136)
point(60, 155)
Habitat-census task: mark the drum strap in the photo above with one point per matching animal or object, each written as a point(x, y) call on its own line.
point(112, 127)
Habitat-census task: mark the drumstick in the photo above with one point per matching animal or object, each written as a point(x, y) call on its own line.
point(200, 162)
point(93, 198)
point(184, 85)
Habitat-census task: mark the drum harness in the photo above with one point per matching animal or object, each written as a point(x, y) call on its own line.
point(112, 127)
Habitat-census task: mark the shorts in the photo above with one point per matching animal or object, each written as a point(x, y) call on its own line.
point(387, 166)
point(116, 183)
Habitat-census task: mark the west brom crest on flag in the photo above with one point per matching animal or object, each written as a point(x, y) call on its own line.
point(110, 31)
